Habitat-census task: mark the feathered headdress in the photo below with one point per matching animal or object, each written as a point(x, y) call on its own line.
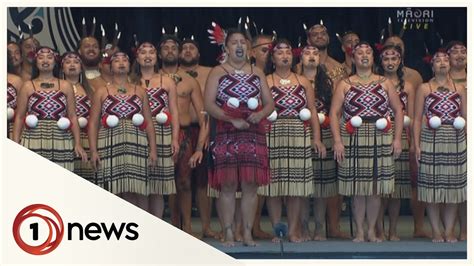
point(217, 37)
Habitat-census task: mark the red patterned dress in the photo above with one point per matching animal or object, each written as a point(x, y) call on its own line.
point(162, 177)
point(83, 106)
point(123, 150)
point(368, 162)
point(289, 144)
point(11, 103)
point(443, 164)
point(47, 139)
point(240, 155)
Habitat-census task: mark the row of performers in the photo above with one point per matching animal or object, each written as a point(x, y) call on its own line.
point(290, 134)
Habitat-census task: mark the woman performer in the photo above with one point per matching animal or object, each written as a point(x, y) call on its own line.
point(290, 139)
point(440, 146)
point(363, 144)
point(391, 62)
point(324, 169)
point(239, 149)
point(72, 70)
point(14, 83)
point(51, 128)
point(120, 124)
point(161, 91)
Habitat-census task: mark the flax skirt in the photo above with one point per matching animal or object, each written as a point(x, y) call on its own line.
point(50, 142)
point(123, 152)
point(368, 168)
point(443, 165)
point(325, 170)
point(291, 167)
point(402, 171)
point(161, 178)
point(84, 169)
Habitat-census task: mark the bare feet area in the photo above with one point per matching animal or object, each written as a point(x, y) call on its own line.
point(319, 237)
point(208, 233)
point(358, 239)
point(260, 234)
point(451, 239)
point(437, 238)
point(339, 235)
point(393, 237)
point(421, 234)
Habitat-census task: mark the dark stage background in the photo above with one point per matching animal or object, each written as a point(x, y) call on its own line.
point(450, 23)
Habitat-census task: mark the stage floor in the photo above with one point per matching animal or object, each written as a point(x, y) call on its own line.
point(407, 248)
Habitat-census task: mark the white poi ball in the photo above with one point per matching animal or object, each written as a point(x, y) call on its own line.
point(356, 121)
point(459, 123)
point(64, 123)
point(31, 121)
point(435, 122)
point(112, 121)
point(161, 118)
point(406, 121)
point(233, 102)
point(252, 103)
point(10, 113)
point(381, 123)
point(273, 116)
point(137, 120)
point(305, 114)
point(321, 117)
point(82, 122)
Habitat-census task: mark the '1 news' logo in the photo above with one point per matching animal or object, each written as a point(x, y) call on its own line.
point(39, 229)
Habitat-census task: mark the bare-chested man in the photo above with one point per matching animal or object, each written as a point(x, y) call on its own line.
point(90, 56)
point(189, 62)
point(105, 72)
point(457, 52)
point(349, 40)
point(28, 50)
point(189, 92)
point(16, 57)
point(318, 36)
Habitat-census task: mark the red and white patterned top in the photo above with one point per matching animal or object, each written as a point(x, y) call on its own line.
point(11, 96)
point(158, 100)
point(289, 100)
point(48, 104)
point(123, 106)
point(368, 102)
point(83, 106)
point(446, 105)
point(321, 107)
point(240, 86)
point(404, 100)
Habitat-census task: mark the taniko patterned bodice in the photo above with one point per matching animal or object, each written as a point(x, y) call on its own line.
point(122, 105)
point(11, 96)
point(48, 104)
point(240, 86)
point(321, 107)
point(289, 100)
point(158, 99)
point(446, 105)
point(83, 105)
point(369, 101)
point(404, 100)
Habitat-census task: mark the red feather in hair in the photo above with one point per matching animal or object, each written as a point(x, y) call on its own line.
point(217, 34)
